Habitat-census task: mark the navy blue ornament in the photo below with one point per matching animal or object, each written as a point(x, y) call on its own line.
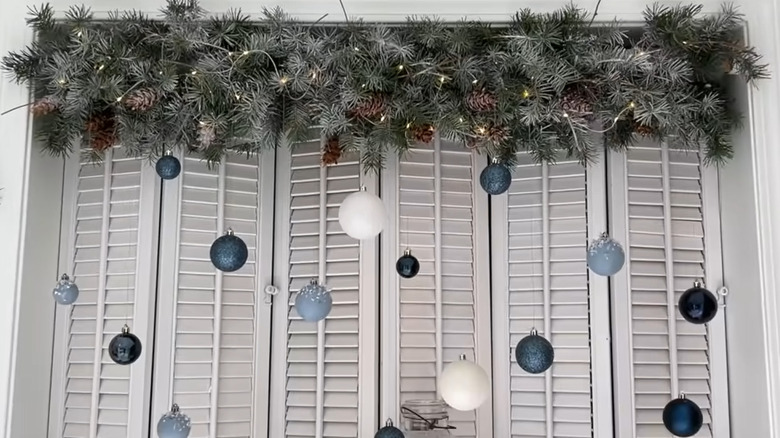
point(534, 353)
point(66, 291)
point(496, 178)
point(682, 417)
point(125, 348)
point(407, 265)
point(698, 305)
point(168, 166)
point(605, 256)
point(228, 253)
point(389, 431)
point(313, 302)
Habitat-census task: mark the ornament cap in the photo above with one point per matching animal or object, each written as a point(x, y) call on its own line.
point(363, 188)
point(698, 283)
point(495, 160)
point(64, 277)
point(125, 329)
point(682, 395)
point(605, 235)
point(174, 408)
point(462, 356)
point(168, 152)
point(389, 422)
point(314, 281)
point(534, 332)
point(407, 252)
point(229, 232)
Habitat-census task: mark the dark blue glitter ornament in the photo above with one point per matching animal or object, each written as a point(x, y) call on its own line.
point(228, 253)
point(407, 265)
point(125, 348)
point(534, 353)
point(698, 305)
point(168, 166)
point(496, 178)
point(682, 417)
point(389, 431)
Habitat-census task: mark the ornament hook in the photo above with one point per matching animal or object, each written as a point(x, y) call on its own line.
point(534, 332)
point(698, 283)
point(407, 252)
point(64, 277)
point(682, 395)
point(174, 408)
point(229, 232)
point(168, 152)
point(462, 356)
point(389, 422)
point(125, 329)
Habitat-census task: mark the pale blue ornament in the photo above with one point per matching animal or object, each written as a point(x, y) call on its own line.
point(174, 424)
point(65, 292)
point(605, 256)
point(313, 302)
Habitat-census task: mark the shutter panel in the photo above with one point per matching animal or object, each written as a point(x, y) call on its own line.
point(111, 230)
point(540, 231)
point(210, 361)
point(665, 241)
point(443, 312)
point(324, 388)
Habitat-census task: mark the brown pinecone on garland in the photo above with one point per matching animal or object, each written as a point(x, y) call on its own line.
point(423, 133)
point(577, 101)
point(331, 153)
point(102, 130)
point(644, 130)
point(206, 135)
point(481, 101)
point(142, 100)
point(370, 108)
point(497, 133)
point(45, 105)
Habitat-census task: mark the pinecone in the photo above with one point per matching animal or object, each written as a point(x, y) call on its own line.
point(497, 133)
point(206, 135)
point(423, 133)
point(331, 153)
point(371, 108)
point(45, 105)
point(102, 130)
point(644, 130)
point(481, 101)
point(142, 100)
point(577, 101)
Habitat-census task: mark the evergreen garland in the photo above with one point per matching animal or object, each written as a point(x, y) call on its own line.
point(544, 83)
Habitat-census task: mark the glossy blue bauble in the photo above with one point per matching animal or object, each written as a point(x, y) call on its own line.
point(313, 302)
point(168, 167)
point(407, 265)
point(605, 256)
point(174, 424)
point(66, 291)
point(495, 179)
point(389, 431)
point(698, 305)
point(228, 253)
point(682, 417)
point(534, 353)
point(125, 348)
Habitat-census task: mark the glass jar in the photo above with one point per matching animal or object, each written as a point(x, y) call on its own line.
point(433, 413)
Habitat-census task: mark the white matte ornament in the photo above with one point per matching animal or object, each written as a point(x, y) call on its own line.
point(362, 215)
point(464, 385)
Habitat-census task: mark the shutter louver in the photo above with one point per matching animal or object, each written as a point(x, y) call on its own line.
point(213, 374)
point(96, 395)
point(543, 219)
point(321, 380)
point(666, 255)
point(437, 309)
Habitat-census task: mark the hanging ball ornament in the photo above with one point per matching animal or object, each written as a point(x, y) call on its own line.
point(464, 385)
point(496, 178)
point(407, 265)
point(174, 424)
point(698, 305)
point(168, 166)
point(66, 291)
point(389, 431)
point(313, 302)
point(605, 256)
point(534, 353)
point(682, 417)
point(228, 253)
point(125, 348)
point(362, 215)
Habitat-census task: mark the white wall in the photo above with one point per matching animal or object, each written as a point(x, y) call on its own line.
point(754, 176)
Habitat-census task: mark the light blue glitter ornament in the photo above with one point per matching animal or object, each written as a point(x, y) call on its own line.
point(605, 256)
point(174, 424)
point(496, 178)
point(313, 302)
point(228, 253)
point(65, 292)
point(168, 166)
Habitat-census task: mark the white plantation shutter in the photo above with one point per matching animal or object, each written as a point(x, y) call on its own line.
point(671, 239)
point(213, 325)
point(540, 280)
point(324, 373)
point(109, 219)
point(439, 212)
